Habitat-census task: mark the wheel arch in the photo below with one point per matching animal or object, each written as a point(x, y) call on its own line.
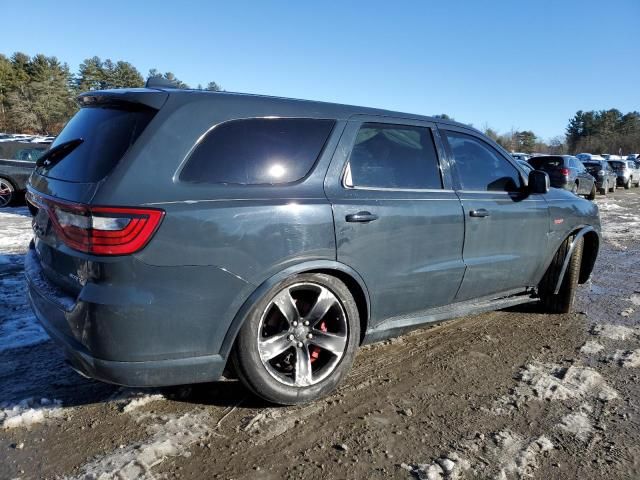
point(350, 277)
point(591, 245)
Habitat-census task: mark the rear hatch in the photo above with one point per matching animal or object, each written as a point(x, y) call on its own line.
point(554, 166)
point(68, 231)
point(592, 167)
point(617, 166)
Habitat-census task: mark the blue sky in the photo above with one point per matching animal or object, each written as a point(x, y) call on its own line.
point(506, 64)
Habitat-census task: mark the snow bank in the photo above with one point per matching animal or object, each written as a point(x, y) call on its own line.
point(135, 462)
point(29, 412)
point(591, 347)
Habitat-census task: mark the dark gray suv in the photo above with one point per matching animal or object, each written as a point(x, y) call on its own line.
point(182, 233)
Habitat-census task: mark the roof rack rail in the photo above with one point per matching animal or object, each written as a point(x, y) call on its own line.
point(160, 82)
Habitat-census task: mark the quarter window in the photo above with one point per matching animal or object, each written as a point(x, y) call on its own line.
point(393, 156)
point(258, 151)
point(480, 167)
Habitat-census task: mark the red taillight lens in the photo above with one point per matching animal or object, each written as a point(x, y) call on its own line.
point(565, 172)
point(102, 230)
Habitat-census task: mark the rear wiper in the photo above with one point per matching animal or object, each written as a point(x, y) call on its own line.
point(57, 153)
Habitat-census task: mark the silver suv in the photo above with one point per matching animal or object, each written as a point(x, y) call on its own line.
point(627, 171)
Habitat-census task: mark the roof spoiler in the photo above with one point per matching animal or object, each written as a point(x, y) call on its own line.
point(141, 96)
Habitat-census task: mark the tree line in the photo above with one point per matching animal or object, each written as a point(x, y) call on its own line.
point(37, 94)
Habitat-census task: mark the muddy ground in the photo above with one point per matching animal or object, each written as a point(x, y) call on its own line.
point(508, 394)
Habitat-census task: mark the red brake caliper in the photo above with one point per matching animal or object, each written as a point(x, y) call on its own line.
point(315, 351)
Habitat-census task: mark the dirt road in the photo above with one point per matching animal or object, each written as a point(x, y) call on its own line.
point(509, 394)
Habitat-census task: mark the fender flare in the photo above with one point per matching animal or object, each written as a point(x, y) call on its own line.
point(580, 233)
point(308, 266)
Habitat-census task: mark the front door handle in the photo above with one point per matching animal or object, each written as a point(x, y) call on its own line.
point(361, 217)
point(481, 212)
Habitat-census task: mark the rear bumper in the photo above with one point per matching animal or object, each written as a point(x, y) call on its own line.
point(64, 318)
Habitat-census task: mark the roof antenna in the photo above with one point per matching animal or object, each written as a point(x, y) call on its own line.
point(160, 82)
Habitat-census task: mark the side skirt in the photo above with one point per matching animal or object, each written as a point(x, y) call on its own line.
point(397, 326)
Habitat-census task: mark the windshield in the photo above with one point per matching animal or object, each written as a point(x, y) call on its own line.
point(543, 163)
point(100, 137)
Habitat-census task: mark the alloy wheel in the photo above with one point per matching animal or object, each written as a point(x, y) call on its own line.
point(6, 193)
point(303, 334)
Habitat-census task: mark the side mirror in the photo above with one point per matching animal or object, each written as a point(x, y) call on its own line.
point(538, 182)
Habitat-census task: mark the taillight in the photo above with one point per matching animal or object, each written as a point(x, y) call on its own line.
point(565, 172)
point(102, 230)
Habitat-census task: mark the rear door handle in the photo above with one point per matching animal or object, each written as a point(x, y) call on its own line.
point(481, 212)
point(361, 217)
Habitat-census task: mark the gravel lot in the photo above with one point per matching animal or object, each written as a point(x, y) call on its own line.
point(509, 394)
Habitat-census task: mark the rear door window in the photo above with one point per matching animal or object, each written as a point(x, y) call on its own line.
point(106, 134)
point(258, 151)
point(480, 167)
point(393, 156)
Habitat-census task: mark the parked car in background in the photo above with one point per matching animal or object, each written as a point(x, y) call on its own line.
point(586, 157)
point(606, 178)
point(17, 161)
point(633, 156)
point(521, 156)
point(627, 173)
point(566, 171)
point(280, 235)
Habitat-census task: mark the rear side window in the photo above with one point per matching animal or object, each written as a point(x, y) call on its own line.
point(480, 167)
point(258, 151)
point(106, 134)
point(393, 156)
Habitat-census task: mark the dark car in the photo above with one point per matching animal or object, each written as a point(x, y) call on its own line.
point(17, 161)
point(566, 171)
point(179, 233)
point(606, 178)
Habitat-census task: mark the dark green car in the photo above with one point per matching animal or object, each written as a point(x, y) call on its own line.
point(181, 234)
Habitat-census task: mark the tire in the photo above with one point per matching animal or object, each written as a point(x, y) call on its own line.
point(269, 367)
point(563, 301)
point(613, 189)
point(592, 194)
point(605, 188)
point(627, 184)
point(7, 192)
point(574, 189)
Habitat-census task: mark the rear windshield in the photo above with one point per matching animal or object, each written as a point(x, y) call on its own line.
point(546, 162)
point(258, 151)
point(616, 165)
point(106, 134)
point(592, 164)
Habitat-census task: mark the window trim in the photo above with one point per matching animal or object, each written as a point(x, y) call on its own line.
point(200, 139)
point(500, 151)
point(383, 121)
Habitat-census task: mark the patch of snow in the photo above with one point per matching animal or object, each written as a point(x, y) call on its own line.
point(28, 412)
point(578, 424)
point(274, 422)
point(18, 326)
point(608, 207)
point(541, 381)
point(16, 230)
point(626, 358)
point(612, 332)
point(591, 347)
point(635, 299)
point(503, 455)
point(135, 462)
point(141, 401)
